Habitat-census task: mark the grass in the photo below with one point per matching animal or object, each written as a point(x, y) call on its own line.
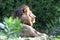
point(57, 38)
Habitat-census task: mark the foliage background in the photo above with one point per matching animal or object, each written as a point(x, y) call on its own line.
point(47, 12)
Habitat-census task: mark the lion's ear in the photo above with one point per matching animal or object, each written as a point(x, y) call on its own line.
point(24, 10)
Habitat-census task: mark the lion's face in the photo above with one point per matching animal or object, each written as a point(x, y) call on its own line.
point(32, 16)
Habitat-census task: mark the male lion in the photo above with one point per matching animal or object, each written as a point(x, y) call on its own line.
point(25, 14)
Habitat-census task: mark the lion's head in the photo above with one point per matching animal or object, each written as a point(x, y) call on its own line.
point(25, 14)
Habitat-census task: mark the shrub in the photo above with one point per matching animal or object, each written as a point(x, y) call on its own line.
point(13, 26)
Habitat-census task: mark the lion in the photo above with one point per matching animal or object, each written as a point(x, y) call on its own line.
point(25, 14)
point(28, 18)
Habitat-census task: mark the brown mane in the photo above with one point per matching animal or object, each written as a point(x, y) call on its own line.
point(24, 13)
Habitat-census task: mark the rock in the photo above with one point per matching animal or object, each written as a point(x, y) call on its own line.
point(3, 27)
point(3, 37)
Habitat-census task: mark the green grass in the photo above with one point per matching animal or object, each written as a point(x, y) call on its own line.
point(57, 38)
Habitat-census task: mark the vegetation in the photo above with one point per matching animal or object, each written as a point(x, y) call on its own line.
point(13, 26)
point(47, 14)
point(57, 38)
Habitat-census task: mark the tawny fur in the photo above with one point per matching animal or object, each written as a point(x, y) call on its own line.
point(25, 14)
